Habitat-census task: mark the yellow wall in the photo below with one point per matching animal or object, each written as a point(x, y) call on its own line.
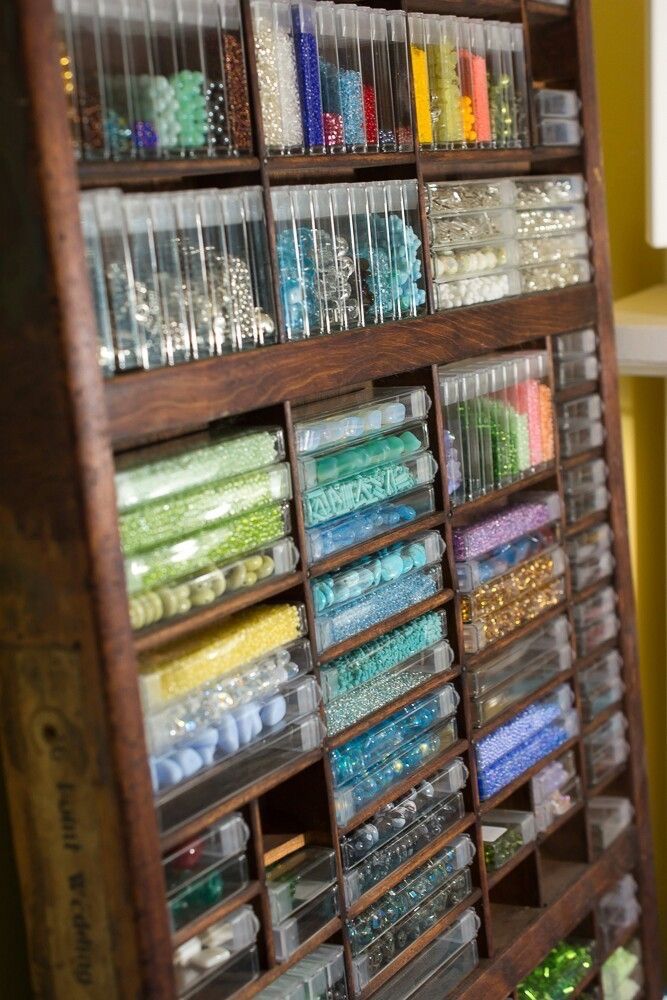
point(620, 52)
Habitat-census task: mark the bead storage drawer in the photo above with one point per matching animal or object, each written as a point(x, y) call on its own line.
point(402, 829)
point(206, 871)
point(366, 766)
point(595, 621)
point(376, 587)
point(608, 816)
point(585, 490)
point(606, 748)
point(601, 685)
point(220, 960)
point(505, 832)
point(402, 914)
point(320, 976)
point(499, 417)
point(619, 909)
point(349, 255)
point(439, 967)
point(515, 746)
point(298, 878)
point(154, 80)
point(384, 669)
point(555, 790)
point(623, 974)
point(177, 277)
point(561, 972)
point(306, 920)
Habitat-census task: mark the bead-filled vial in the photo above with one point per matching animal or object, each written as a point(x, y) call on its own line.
point(278, 78)
point(308, 71)
point(399, 66)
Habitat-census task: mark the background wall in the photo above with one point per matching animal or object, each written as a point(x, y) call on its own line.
point(621, 69)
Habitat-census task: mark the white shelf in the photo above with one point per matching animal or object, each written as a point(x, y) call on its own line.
point(641, 332)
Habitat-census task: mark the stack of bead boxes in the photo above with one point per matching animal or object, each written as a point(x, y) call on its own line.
point(368, 765)
point(302, 896)
point(512, 748)
point(585, 489)
point(155, 79)
point(490, 239)
point(606, 748)
point(177, 277)
point(221, 959)
point(623, 974)
point(580, 425)
point(502, 568)
point(561, 972)
point(555, 790)
point(202, 523)
point(600, 685)
point(505, 832)
point(608, 817)
point(595, 621)
point(207, 871)
point(557, 113)
point(333, 78)
point(590, 556)
point(227, 706)
point(349, 255)
point(364, 469)
point(469, 80)
point(402, 914)
point(551, 232)
point(575, 358)
point(320, 976)
point(401, 829)
point(440, 966)
point(498, 414)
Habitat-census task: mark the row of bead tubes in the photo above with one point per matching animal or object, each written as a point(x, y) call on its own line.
point(332, 77)
point(463, 81)
point(168, 79)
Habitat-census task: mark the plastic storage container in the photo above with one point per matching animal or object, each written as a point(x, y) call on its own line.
point(606, 749)
point(376, 587)
point(502, 590)
point(618, 910)
point(504, 833)
point(470, 229)
point(206, 871)
point(403, 913)
point(559, 132)
point(499, 417)
point(609, 816)
point(348, 255)
point(561, 972)
point(536, 252)
point(547, 191)
point(550, 221)
point(585, 490)
point(321, 975)
point(575, 345)
point(220, 960)
point(306, 920)
point(595, 621)
point(623, 973)
point(558, 804)
point(481, 538)
point(376, 849)
point(555, 790)
point(534, 733)
point(557, 103)
point(590, 556)
point(296, 879)
point(451, 197)
point(505, 557)
point(572, 371)
point(601, 685)
point(368, 765)
point(439, 967)
point(456, 292)
point(559, 274)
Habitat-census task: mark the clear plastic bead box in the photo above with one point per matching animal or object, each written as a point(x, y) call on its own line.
point(580, 412)
point(550, 221)
point(585, 502)
point(470, 261)
point(557, 103)
point(220, 960)
point(298, 878)
point(482, 537)
point(505, 832)
point(305, 921)
point(585, 477)
point(342, 533)
point(623, 973)
point(320, 976)
point(575, 370)
point(558, 804)
point(411, 927)
point(438, 967)
point(606, 749)
point(505, 556)
point(263, 758)
point(595, 621)
point(559, 132)
point(608, 816)
point(451, 197)
point(586, 572)
point(552, 190)
point(558, 274)
point(500, 591)
point(153, 474)
point(552, 250)
point(575, 440)
point(385, 410)
point(336, 464)
point(199, 875)
point(456, 292)
point(471, 228)
point(575, 345)
point(618, 909)
point(519, 657)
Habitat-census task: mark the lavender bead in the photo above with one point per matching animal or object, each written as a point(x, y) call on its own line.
point(477, 539)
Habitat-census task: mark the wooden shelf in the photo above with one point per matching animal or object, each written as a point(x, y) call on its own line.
point(142, 173)
point(168, 401)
